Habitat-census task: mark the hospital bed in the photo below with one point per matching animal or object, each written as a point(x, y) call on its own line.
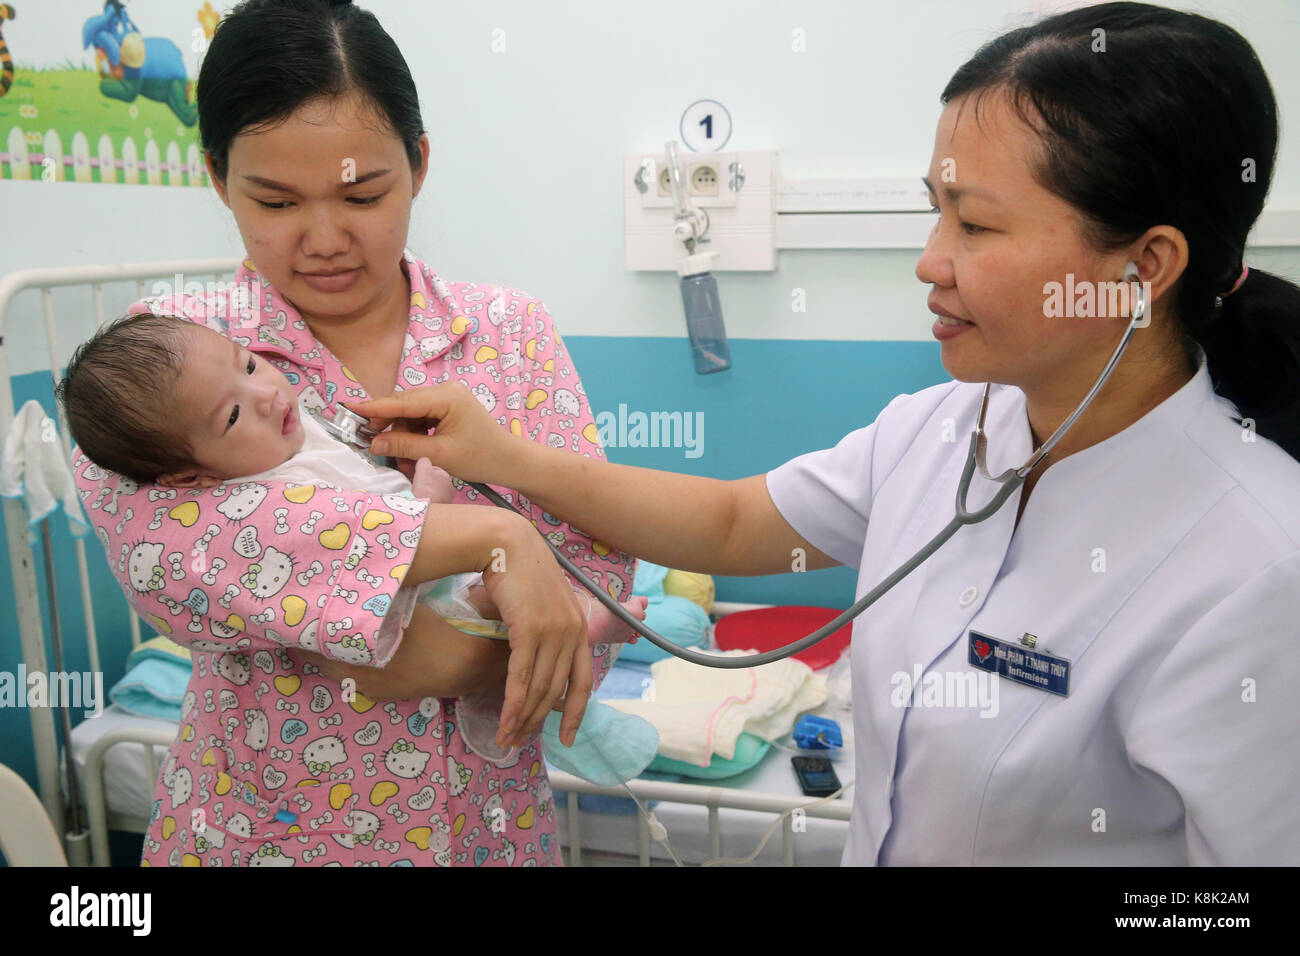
point(118, 755)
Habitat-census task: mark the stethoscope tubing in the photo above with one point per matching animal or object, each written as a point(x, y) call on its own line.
point(1009, 481)
point(962, 517)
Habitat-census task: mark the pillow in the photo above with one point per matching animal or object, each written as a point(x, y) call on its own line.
point(693, 586)
point(649, 581)
point(681, 621)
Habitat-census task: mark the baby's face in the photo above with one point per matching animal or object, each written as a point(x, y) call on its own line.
point(239, 411)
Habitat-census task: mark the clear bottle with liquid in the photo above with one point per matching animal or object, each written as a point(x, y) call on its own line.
point(704, 314)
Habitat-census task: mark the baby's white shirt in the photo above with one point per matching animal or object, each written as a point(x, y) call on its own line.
point(326, 459)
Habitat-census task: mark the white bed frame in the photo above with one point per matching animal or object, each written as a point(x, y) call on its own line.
point(45, 738)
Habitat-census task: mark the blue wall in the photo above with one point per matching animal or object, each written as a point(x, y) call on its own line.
point(780, 399)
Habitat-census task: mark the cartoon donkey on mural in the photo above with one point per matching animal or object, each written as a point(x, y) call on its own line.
point(134, 66)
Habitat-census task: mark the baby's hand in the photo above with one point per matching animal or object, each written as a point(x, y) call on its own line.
point(432, 482)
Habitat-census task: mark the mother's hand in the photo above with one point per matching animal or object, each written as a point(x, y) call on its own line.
point(550, 659)
point(467, 440)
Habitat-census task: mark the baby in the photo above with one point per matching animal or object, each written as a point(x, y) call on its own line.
point(231, 416)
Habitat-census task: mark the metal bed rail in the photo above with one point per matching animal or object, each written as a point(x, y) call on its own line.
point(712, 797)
point(22, 560)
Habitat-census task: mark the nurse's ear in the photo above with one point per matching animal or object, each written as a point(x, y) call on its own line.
point(187, 479)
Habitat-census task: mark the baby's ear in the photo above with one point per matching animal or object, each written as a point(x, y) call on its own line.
point(187, 479)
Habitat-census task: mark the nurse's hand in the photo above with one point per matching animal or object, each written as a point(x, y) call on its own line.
point(467, 441)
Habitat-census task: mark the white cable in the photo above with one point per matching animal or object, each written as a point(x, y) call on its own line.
point(719, 860)
point(657, 829)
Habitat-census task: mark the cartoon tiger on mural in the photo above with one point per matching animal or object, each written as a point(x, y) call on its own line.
point(6, 61)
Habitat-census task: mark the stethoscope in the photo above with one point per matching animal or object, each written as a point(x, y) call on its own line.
point(351, 428)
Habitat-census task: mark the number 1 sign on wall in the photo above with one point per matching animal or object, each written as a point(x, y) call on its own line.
point(706, 126)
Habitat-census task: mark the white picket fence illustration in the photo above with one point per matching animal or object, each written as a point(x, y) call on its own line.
point(52, 165)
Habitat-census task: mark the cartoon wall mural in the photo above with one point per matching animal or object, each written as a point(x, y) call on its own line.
point(91, 91)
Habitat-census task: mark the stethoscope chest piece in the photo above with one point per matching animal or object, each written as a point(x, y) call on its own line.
point(347, 427)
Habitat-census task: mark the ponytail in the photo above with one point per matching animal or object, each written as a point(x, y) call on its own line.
point(1251, 340)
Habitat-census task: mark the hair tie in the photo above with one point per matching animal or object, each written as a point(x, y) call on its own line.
point(1245, 271)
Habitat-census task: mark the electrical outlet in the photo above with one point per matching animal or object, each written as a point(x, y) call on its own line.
point(704, 179)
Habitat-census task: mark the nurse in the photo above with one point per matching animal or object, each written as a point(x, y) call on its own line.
point(1108, 676)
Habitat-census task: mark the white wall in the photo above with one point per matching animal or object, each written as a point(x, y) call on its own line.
point(524, 186)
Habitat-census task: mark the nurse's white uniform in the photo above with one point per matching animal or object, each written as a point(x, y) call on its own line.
point(1163, 562)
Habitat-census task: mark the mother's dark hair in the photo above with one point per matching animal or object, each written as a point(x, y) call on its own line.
point(1175, 123)
point(268, 57)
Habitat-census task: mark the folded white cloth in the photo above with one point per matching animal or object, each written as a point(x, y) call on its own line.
point(33, 468)
point(700, 711)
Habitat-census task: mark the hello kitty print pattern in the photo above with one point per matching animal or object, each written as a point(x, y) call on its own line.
point(272, 765)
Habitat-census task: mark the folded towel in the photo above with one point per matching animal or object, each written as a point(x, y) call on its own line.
point(750, 751)
point(700, 711)
point(33, 468)
point(157, 673)
point(159, 648)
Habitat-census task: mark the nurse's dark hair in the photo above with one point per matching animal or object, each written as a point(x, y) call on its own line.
point(1172, 122)
point(269, 57)
point(117, 389)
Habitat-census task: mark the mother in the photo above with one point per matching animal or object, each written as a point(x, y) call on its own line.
point(312, 134)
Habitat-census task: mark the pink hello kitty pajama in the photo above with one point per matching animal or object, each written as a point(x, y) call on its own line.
point(271, 767)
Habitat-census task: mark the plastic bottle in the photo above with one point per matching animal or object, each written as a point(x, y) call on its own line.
point(704, 314)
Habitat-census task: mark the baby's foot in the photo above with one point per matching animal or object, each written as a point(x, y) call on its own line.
point(432, 482)
point(604, 627)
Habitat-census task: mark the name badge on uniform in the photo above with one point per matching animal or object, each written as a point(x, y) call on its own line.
point(1020, 662)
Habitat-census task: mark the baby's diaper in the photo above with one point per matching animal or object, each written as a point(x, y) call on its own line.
point(448, 597)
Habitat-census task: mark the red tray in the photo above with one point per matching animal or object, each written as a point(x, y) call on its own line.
point(768, 628)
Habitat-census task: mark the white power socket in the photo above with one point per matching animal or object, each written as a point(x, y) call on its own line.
point(704, 179)
point(707, 180)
